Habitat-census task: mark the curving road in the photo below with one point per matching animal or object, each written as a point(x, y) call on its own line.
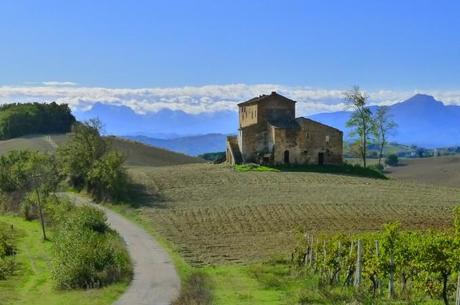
point(155, 280)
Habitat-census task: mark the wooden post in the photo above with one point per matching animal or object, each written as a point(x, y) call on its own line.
point(40, 211)
point(359, 260)
point(310, 255)
point(377, 254)
point(391, 282)
point(337, 275)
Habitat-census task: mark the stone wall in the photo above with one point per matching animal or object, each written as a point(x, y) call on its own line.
point(269, 131)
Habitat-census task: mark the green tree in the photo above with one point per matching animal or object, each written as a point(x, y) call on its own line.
point(383, 125)
point(107, 178)
point(30, 177)
point(86, 146)
point(89, 161)
point(360, 121)
point(392, 160)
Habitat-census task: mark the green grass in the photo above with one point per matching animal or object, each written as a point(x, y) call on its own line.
point(255, 168)
point(33, 283)
point(277, 283)
point(345, 169)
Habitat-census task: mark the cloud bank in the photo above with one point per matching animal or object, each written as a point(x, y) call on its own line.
point(194, 100)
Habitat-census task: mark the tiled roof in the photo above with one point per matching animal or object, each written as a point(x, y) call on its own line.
point(263, 97)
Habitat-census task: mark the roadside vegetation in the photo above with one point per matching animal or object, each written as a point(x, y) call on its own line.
point(8, 248)
point(89, 162)
point(82, 251)
point(33, 282)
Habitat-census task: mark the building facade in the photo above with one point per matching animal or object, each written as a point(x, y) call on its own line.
point(269, 133)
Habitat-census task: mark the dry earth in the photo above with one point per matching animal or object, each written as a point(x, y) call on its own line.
point(214, 214)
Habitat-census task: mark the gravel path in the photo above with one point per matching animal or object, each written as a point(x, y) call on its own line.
point(155, 280)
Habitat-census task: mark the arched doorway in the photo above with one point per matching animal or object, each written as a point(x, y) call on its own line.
point(286, 157)
point(321, 158)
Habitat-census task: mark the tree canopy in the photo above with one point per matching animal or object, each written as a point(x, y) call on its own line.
point(34, 118)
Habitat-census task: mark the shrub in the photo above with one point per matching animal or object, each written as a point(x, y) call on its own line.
point(8, 240)
point(88, 254)
point(107, 178)
point(392, 160)
point(195, 291)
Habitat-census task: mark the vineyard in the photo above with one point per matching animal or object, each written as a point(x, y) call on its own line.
point(391, 264)
point(213, 214)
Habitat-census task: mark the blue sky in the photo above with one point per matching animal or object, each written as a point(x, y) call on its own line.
point(398, 46)
point(378, 44)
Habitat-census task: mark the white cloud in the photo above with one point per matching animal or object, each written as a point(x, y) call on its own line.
point(210, 98)
point(59, 84)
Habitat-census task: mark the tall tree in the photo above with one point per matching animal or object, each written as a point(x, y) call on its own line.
point(383, 126)
point(361, 121)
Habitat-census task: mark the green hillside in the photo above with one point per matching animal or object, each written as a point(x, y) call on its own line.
point(137, 154)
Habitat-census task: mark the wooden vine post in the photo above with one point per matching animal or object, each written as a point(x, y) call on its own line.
point(377, 254)
point(359, 263)
point(310, 253)
point(391, 282)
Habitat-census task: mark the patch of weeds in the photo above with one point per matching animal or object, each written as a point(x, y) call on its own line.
point(254, 167)
point(195, 291)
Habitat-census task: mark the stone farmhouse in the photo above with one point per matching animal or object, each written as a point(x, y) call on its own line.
point(269, 133)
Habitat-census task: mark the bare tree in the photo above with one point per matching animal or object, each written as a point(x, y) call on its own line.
point(383, 126)
point(361, 120)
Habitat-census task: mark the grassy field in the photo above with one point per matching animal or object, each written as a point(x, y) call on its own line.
point(136, 153)
point(33, 283)
point(213, 214)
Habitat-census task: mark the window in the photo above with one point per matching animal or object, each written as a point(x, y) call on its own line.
point(307, 135)
point(327, 139)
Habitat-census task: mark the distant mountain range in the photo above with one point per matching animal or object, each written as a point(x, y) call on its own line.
point(164, 124)
point(192, 145)
point(422, 121)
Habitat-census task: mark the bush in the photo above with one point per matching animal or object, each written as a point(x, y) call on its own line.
point(107, 178)
point(195, 291)
point(88, 254)
point(8, 240)
point(392, 160)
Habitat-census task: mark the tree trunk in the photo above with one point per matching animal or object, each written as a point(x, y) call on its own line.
point(445, 296)
point(457, 296)
point(381, 153)
point(40, 211)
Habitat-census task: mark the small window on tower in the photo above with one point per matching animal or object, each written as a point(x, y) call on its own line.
point(307, 135)
point(327, 139)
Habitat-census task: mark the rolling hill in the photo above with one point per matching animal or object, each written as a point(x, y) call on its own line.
point(137, 154)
